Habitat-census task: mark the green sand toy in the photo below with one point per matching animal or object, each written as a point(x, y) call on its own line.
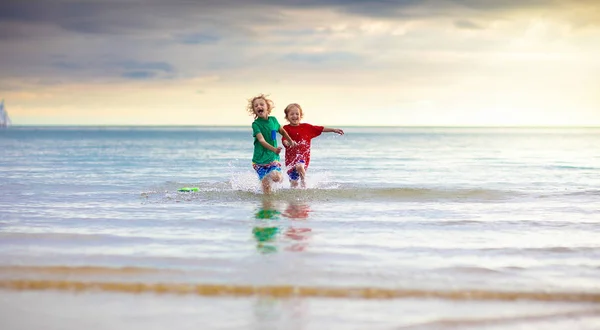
point(189, 189)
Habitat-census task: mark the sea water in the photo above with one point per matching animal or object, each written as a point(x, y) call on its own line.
point(399, 228)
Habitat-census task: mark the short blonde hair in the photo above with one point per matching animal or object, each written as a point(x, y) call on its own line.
point(250, 106)
point(289, 108)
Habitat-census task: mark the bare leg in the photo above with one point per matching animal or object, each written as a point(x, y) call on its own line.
point(302, 172)
point(266, 185)
point(294, 183)
point(274, 176)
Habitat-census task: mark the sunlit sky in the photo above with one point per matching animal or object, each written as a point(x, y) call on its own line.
point(401, 63)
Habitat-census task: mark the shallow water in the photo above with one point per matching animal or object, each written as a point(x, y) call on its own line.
point(399, 227)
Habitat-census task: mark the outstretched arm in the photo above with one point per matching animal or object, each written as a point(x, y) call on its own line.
point(334, 130)
point(290, 142)
point(264, 143)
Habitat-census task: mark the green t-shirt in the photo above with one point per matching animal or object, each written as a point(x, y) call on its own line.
point(268, 129)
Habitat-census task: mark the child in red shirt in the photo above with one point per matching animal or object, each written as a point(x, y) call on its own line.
point(297, 157)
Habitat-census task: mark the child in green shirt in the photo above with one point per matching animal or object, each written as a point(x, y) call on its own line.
point(265, 159)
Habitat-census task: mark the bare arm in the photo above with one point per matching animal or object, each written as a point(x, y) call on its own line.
point(334, 130)
point(290, 142)
point(261, 140)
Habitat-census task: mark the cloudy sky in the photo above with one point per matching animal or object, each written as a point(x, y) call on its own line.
point(394, 62)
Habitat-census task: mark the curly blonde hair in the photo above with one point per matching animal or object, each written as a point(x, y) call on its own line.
point(250, 106)
point(289, 107)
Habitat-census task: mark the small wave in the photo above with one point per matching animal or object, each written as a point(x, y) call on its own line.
point(584, 193)
point(563, 249)
point(544, 250)
point(571, 193)
point(452, 223)
point(572, 167)
point(462, 323)
point(217, 192)
point(472, 270)
point(82, 270)
point(288, 291)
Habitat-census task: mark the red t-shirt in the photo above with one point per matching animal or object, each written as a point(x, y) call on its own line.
point(302, 134)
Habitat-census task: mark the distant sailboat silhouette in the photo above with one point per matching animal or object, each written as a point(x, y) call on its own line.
point(4, 118)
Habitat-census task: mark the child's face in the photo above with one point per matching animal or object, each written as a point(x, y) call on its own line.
point(261, 109)
point(293, 116)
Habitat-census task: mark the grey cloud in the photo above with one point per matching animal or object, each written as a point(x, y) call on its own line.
point(319, 58)
point(67, 66)
point(393, 7)
point(124, 17)
point(48, 11)
point(12, 31)
point(195, 22)
point(467, 25)
point(176, 38)
point(139, 75)
point(112, 17)
point(127, 69)
point(198, 39)
point(155, 66)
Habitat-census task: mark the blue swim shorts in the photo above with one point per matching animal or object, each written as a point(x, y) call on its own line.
point(292, 173)
point(264, 169)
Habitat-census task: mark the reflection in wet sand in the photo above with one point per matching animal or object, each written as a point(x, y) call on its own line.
point(297, 210)
point(268, 226)
point(275, 313)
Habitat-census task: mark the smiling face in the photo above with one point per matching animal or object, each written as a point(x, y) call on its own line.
point(261, 108)
point(293, 114)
